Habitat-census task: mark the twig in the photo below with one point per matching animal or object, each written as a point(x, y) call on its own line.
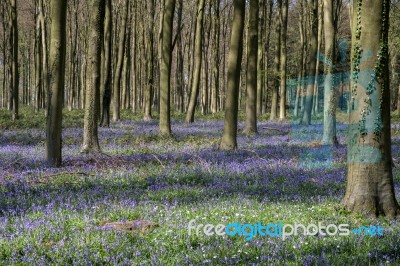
point(261, 158)
point(163, 166)
point(204, 162)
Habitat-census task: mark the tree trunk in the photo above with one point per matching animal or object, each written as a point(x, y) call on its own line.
point(311, 65)
point(56, 81)
point(329, 136)
point(43, 34)
point(165, 67)
point(398, 102)
point(300, 79)
point(260, 58)
point(216, 55)
point(251, 79)
point(370, 187)
point(275, 86)
point(106, 61)
point(119, 65)
point(14, 60)
point(283, 64)
point(148, 93)
point(197, 63)
point(229, 140)
point(179, 76)
point(92, 99)
point(319, 44)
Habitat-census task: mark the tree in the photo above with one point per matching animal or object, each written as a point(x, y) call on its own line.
point(370, 187)
point(229, 140)
point(14, 59)
point(92, 99)
point(120, 61)
point(251, 83)
point(106, 63)
point(179, 74)
point(148, 93)
point(283, 63)
point(165, 67)
point(329, 136)
point(311, 65)
point(197, 63)
point(278, 28)
point(41, 66)
point(216, 55)
point(301, 63)
point(56, 82)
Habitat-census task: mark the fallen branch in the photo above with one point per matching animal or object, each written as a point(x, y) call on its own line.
point(276, 129)
point(261, 158)
point(204, 162)
point(163, 166)
point(67, 173)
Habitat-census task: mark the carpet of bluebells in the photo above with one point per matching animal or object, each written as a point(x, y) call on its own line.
point(53, 216)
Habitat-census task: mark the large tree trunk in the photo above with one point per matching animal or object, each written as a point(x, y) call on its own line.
point(370, 187)
point(56, 81)
point(229, 140)
point(311, 65)
point(329, 136)
point(92, 99)
point(197, 63)
point(165, 67)
point(251, 82)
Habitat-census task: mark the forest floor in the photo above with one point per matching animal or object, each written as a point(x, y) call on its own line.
point(56, 216)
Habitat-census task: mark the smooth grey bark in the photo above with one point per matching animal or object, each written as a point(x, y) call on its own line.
point(197, 62)
point(119, 64)
point(283, 63)
point(300, 81)
point(276, 75)
point(260, 57)
point(251, 75)
point(56, 78)
point(179, 74)
point(311, 65)
point(150, 84)
point(216, 57)
point(14, 60)
point(92, 98)
point(106, 70)
point(229, 137)
point(165, 68)
point(329, 135)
